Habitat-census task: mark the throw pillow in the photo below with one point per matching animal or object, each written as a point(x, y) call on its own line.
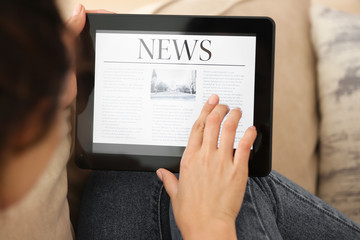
point(336, 37)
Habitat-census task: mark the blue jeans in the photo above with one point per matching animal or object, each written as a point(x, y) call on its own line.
point(134, 205)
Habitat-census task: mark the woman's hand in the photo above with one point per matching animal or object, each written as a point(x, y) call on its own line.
point(208, 195)
point(74, 26)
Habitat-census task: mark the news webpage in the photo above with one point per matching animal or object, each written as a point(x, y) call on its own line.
point(150, 87)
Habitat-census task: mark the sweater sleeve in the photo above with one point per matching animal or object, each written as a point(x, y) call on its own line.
point(44, 211)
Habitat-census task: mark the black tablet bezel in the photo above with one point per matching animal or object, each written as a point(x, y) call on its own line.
point(262, 27)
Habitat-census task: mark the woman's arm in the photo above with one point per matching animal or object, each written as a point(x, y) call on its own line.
point(208, 195)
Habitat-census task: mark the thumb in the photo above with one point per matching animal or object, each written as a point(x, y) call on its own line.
point(76, 22)
point(170, 181)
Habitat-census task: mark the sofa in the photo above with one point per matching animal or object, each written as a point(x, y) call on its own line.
point(316, 137)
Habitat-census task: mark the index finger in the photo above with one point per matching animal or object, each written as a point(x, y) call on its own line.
point(197, 131)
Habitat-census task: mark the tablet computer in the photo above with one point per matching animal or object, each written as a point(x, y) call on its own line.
point(146, 78)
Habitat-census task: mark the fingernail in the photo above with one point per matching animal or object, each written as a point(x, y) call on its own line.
point(253, 127)
point(77, 9)
point(237, 108)
point(158, 173)
point(213, 99)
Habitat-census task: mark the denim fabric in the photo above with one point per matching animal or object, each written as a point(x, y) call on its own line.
point(276, 208)
point(124, 205)
point(133, 205)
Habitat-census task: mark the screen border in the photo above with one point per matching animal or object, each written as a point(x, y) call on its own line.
point(262, 27)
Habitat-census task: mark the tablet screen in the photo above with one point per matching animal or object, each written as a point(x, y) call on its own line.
point(150, 87)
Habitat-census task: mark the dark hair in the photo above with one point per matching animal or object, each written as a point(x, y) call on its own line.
point(33, 65)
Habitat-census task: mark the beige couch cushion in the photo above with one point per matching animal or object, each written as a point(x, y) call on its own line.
point(337, 42)
point(295, 119)
point(119, 6)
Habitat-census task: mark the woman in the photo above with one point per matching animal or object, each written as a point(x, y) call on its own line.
point(37, 83)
